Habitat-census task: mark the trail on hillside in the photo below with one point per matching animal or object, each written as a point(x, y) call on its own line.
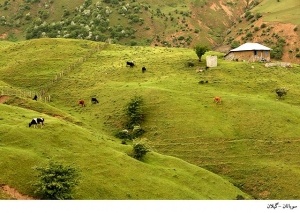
point(3, 98)
point(13, 193)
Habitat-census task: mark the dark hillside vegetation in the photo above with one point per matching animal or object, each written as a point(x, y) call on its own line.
point(251, 139)
point(219, 24)
point(171, 23)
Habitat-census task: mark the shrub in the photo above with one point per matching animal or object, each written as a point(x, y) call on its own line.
point(263, 25)
point(277, 52)
point(281, 92)
point(234, 44)
point(137, 132)
point(56, 182)
point(134, 112)
point(258, 15)
point(139, 150)
point(123, 134)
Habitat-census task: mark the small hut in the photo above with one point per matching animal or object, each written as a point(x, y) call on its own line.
point(249, 52)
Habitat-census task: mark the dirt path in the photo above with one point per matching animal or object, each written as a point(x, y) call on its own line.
point(13, 193)
point(3, 98)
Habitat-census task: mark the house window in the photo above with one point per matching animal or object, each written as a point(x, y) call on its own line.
point(255, 52)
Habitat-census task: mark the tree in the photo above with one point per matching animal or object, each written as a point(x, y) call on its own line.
point(200, 51)
point(134, 112)
point(56, 182)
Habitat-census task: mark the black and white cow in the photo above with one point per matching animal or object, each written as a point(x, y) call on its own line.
point(130, 63)
point(36, 121)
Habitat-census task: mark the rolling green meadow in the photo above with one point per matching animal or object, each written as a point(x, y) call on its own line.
point(246, 146)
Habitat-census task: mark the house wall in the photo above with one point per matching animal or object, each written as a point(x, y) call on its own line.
point(249, 55)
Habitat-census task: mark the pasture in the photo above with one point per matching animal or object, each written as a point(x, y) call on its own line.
point(251, 139)
point(280, 11)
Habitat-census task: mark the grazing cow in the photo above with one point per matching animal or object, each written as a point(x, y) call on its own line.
point(217, 100)
point(130, 63)
point(36, 121)
point(94, 100)
point(143, 69)
point(81, 102)
point(35, 98)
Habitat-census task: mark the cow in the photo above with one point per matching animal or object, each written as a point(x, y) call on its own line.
point(36, 121)
point(143, 69)
point(217, 100)
point(35, 98)
point(94, 100)
point(130, 63)
point(81, 102)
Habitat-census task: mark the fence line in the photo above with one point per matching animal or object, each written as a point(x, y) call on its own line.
point(43, 94)
point(10, 91)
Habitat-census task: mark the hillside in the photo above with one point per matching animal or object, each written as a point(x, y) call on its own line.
point(272, 23)
point(219, 24)
point(250, 140)
point(150, 22)
point(71, 135)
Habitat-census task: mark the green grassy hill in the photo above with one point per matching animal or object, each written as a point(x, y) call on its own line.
point(106, 171)
point(71, 136)
point(251, 139)
point(281, 11)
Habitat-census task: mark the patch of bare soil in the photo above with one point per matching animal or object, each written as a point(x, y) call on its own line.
point(3, 98)
point(3, 36)
point(13, 193)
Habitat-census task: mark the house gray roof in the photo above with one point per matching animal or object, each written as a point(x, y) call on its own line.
point(250, 46)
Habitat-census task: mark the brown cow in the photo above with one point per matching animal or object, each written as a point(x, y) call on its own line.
point(217, 100)
point(81, 102)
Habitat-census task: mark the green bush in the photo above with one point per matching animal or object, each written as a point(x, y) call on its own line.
point(263, 25)
point(137, 132)
point(200, 51)
point(277, 52)
point(55, 182)
point(134, 112)
point(281, 92)
point(139, 150)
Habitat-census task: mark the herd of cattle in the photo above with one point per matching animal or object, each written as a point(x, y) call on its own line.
point(40, 121)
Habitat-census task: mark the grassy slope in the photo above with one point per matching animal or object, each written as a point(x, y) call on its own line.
point(283, 11)
point(237, 139)
point(251, 138)
point(107, 172)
